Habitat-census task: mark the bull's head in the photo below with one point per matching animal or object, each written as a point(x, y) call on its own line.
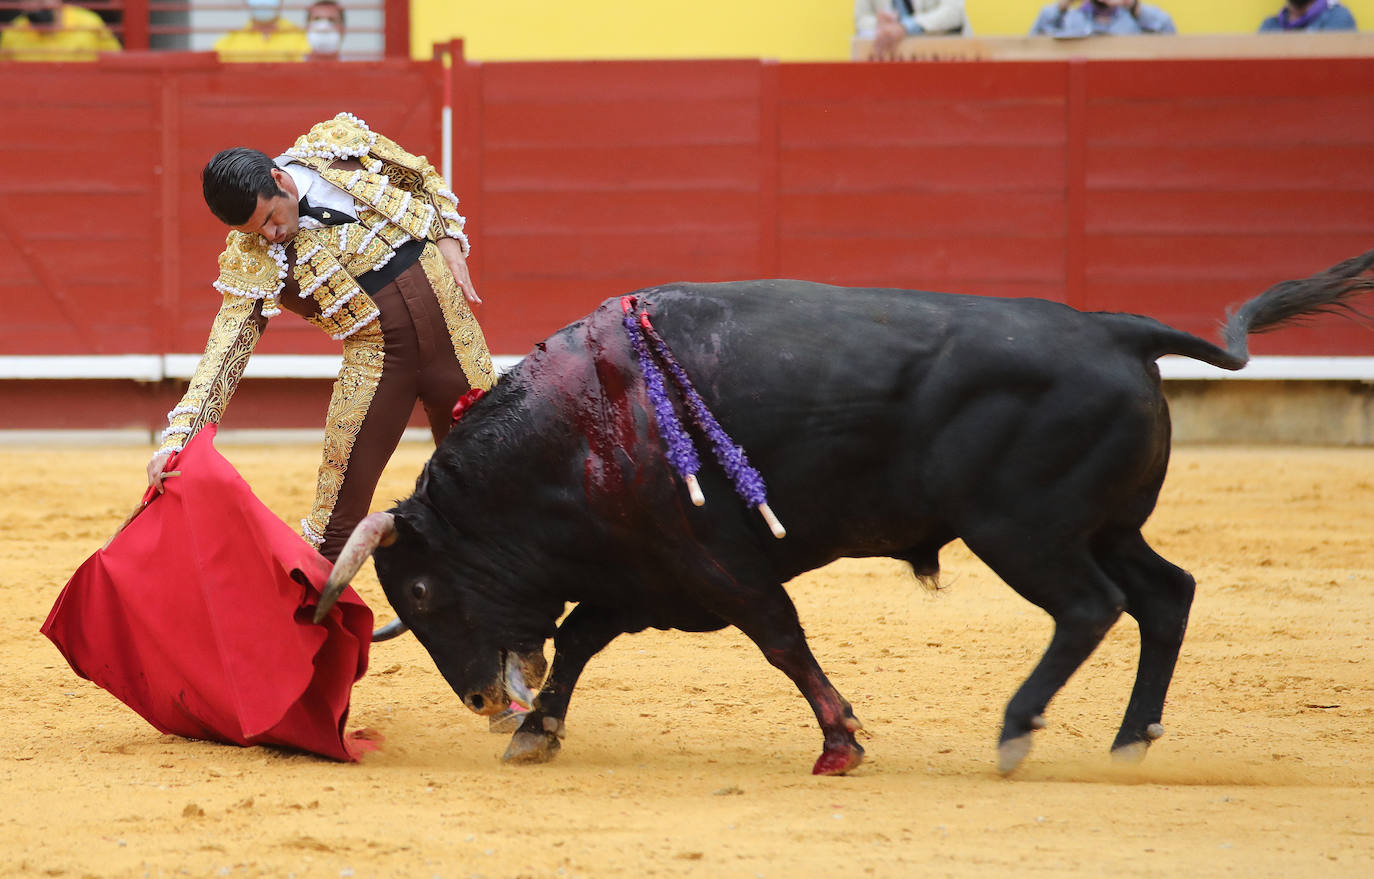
point(486, 675)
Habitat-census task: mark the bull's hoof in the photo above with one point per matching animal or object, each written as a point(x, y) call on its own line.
point(1129, 755)
point(838, 761)
point(531, 747)
point(1011, 752)
point(1134, 752)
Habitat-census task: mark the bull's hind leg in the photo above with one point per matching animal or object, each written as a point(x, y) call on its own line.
point(1084, 604)
point(1159, 596)
point(585, 631)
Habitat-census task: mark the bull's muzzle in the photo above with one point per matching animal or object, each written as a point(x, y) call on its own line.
point(378, 529)
point(489, 701)
point(521, 675)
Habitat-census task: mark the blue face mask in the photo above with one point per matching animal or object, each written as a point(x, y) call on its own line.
point(264, 10)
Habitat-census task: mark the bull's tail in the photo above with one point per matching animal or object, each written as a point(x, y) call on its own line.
point(1330, 291)
point(1284, 304)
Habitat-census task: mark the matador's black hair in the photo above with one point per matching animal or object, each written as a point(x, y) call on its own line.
point(232, 182)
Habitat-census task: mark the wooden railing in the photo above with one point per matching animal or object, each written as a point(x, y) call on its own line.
point(1344, 44)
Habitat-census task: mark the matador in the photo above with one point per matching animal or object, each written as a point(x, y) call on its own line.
point(363, 240)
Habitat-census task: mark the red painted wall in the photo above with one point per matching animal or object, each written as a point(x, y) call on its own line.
point(1170, 187)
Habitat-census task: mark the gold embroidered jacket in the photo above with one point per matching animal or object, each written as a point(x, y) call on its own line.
point(403, 198)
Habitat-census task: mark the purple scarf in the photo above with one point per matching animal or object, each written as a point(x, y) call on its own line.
point(1313, 10)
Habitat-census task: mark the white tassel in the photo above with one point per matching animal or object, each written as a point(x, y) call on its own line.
point(694, 490)
point(773, 524)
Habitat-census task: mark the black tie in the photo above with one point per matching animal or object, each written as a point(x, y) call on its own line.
point(325, 215)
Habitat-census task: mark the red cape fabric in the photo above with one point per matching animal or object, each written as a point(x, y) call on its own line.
point(198, 616)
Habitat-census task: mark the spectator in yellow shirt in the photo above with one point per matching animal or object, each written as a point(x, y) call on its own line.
point(266, 37)
point(50, 30)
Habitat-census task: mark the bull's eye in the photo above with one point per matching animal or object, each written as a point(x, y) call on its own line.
point(420, 590)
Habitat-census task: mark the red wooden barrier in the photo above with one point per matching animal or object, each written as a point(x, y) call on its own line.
point(1169, 187)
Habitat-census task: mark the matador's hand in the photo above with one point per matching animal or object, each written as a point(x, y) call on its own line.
point(453, 255)
point(155, 474)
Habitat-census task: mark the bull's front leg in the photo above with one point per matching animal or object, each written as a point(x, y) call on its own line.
point(586, 630)
point(771, 622)
point(842, 752)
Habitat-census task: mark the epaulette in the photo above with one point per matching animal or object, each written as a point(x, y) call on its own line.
point(253, 269)
point(343, 137)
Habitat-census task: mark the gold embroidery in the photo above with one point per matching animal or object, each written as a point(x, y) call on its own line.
point(233, 336)
point(406, 178)
point(363, 359)
point(434, 214)
point(344, 136)
point(327, 276)
point(401, 198)
point(469, 344)
point(251, 268)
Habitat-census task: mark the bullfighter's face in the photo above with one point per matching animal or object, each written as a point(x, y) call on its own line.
point(277, 219)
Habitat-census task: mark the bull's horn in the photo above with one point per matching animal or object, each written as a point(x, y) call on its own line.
point(389, 631)
point(378, 529)
point(513, 674)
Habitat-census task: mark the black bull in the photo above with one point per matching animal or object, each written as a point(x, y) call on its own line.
point(886, 423)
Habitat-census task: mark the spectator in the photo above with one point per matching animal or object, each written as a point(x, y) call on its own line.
point(266, 37)
point(324, 28)
point(1084, 18)
point(913, 16)
point(50, 30)
point(866, 17)
point(1310, 15)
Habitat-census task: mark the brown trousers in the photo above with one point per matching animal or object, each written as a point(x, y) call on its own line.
point(417, 363)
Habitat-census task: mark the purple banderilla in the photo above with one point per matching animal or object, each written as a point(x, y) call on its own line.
point(682, 452)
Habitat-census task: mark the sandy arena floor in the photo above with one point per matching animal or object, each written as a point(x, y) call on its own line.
point(688, 755)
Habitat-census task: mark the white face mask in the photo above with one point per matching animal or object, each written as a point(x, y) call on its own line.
point(324, 37)
point(263, 10)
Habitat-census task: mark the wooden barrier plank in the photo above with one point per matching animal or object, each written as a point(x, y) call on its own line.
point(1256, 166)
point(920, 213)
point(666, 212)
point(921, 121)
point(1256, 259)
point(1190, 212)
point(933, 168)
point(1205, 119)
point(559, 168)
point(619, 81)
point(642, 123)
point(840, 84)
point(1269, 79)
point(714, 255)
point(932, 262)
